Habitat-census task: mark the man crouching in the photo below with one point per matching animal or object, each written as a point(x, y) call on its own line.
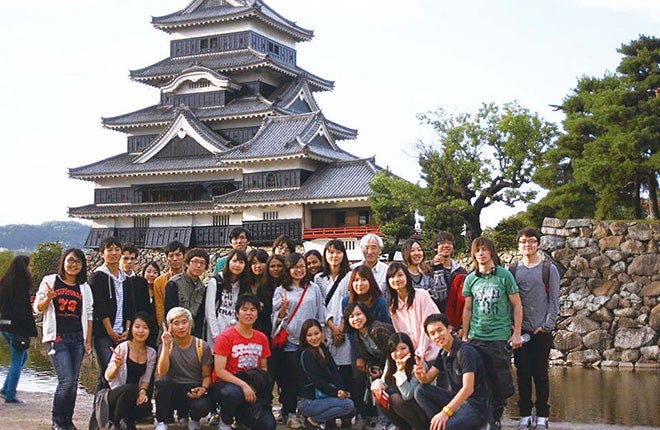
point(466, 405)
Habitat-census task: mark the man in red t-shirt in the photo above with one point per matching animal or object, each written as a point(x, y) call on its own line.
point(243, 385)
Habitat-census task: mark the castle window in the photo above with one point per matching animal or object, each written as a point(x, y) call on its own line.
point(141, 222)
point(270, 215)
point(270, 181)
point(204, 44)
point(220, 220)
point(363, 218)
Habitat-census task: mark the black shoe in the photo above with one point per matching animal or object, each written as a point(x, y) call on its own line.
point(310, 426)
point(3, 394)
point(14, 400)
point(71, 426)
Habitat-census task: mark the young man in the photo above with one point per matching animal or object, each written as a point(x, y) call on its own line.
point(174, 252)
point(538, 282)
point(113, 307)
point(187, 290)
point(372, 245)
point(444, 269)
point(491, 294)
point(239, 238)
point(244, 388)
point(466, 404)
point(135, 284)
point(184, 371)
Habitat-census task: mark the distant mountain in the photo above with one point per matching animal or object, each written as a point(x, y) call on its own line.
point(26, 237)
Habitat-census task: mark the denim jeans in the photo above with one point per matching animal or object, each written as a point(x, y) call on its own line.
point(432, 399)
point(18, 359)
point(232, 403)
point(103, 354)
point(66, 361)
point(322, 410)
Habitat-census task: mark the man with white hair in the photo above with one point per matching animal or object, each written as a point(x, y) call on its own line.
point(372, 245)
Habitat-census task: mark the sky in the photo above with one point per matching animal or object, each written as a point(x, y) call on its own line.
point(65, 65)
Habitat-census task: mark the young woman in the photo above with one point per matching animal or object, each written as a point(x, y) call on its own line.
point(283, 246)
point(394, 391)
point(362, 287)
point(408, 307)
point(15, 310)
point(370, 337)
point(67, 303)
point(314, 262)
point(413, 257)
point(257, 284)
point(150, 272)
point(332, 282)
point(323, 393)
point(294, 289)
point(221, 294)
point(129, 372)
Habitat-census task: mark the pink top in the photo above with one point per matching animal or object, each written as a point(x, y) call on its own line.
point(411, 322)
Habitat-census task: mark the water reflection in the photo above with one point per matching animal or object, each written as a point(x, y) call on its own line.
point(608, 396)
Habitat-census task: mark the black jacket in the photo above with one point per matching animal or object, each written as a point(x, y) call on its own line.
point(105, 302)
point(16, 307)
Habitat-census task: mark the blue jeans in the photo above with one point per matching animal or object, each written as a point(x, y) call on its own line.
point(432, 399)
point(66, 362)
point(232, 403)
point(103, 354)
point(18, 359)
point(322, 410)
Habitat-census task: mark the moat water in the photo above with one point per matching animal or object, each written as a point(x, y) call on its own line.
point(608, 396)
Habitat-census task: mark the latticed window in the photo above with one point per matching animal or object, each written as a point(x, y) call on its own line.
point(271, 215)
point(141, 222)
point(220, 220)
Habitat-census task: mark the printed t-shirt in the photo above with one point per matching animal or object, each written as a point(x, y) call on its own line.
point(68, 307)
point(242, 353)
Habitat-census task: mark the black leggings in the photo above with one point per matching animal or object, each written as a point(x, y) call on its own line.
point(405, 414)
point(121, 402)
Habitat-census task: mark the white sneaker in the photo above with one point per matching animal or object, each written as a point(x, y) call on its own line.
point(193, 425)
point(277, 413)
point(525, 423)
point(294, 422)
point(160, 426)
point(541, 423)
point(223, 426)
point(183, 423)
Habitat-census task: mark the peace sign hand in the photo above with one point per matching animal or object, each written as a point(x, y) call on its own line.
point(166, 337)
point(50, 293)
point(116, 357)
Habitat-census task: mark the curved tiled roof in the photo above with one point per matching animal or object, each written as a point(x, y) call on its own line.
point(143, 209)
point(200, 12)
point(339, 181)
point(223, 62)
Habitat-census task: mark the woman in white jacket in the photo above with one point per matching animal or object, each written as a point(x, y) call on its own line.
point(66, 301)
point(129, 372)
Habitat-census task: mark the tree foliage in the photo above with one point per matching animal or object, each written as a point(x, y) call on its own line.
point(607, 160)
point(393, 204)
point(5, 258)
point(480, 159)
point(504, 234)
point(44, 260)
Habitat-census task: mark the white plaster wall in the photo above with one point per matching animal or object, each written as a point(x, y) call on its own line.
point(234, 27)
point(284, 212)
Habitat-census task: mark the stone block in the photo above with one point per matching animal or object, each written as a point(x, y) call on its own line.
point(588, 273)
point(618, 228)
point(603, 287)
point(644, 265)
point(589, 252)
point(600, 231)
point(552, 242)
point(625, 322)
point(631, 287)
point(602, 315)
point(647, 365)
point(617, 268)
point(613, 254)
point(578, 242)
point(612, 354)
point(640, 232)
point(629, 338)
point(563, 255)
point(626, 365)
point(583, 357)
point(652, 247)
point(632, 247)
point(579, 263)
point(626, 313)
point(560, 232)
point(555, 354)
point(650, 352)
point(651, 290)
point(631, 355)
point(654, 318)
point(600, 261)
point(610, 243)
point(585, 231)
point(553, 222)
point(565, 341)
point(573, 223)
point(582, 325)
point(599, 340)
point(609, 363)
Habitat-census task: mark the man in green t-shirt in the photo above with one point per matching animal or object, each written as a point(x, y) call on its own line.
point(490, 295)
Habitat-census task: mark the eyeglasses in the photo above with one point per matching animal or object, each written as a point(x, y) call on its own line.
point(529, 241)
point(197, 262)
point(73, 261)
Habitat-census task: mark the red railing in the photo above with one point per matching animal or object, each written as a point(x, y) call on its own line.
point(333, 232)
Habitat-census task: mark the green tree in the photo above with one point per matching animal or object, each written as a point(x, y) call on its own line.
point(44, 260)
point(393, 205)
point(504, 234)
point(607, 159)
point(5, 258)
point(481, 159)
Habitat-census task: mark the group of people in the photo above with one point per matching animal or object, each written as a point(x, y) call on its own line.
point(410, 345)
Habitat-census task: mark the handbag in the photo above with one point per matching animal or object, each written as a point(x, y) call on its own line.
point(279, 339)
point(20, 342)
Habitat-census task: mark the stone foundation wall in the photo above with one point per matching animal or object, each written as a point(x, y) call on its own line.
point(609, 310)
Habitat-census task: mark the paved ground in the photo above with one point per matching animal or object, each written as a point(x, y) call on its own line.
point(35, 415)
